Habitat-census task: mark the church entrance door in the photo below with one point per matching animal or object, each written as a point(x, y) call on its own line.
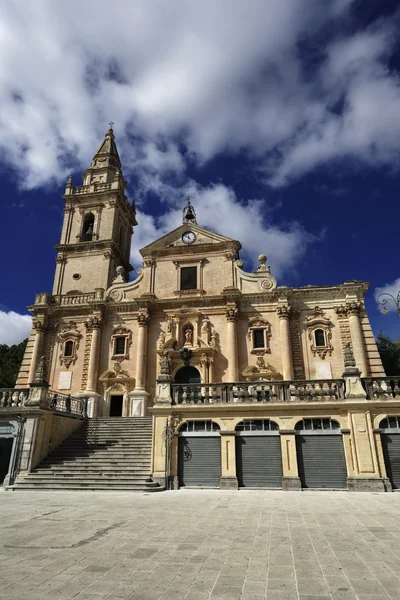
point(116, 406)
point(188, 375)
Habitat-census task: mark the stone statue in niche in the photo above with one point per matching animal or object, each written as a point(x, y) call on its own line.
point(213, 340)
point(205, 330)
point(165, 364)
point(188, 337)
point(161, 339)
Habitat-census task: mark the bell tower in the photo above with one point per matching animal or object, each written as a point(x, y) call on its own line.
point(97, 228)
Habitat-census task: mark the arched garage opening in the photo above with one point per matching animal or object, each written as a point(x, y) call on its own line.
point(258, 454)
point(320, 454)
point(199, 454)
point(390, 437)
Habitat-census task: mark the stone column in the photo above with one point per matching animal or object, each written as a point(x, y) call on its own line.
point(40, 329)
point(94, 325)
point(139, 395)
point(357, 337)
point(286, 350)
point(290, 475)
point(232, 354)
point(211, 370)
point(228, 478)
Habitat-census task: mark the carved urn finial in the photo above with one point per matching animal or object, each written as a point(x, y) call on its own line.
point(262, 259)
point(349, 360)
point(41, 374)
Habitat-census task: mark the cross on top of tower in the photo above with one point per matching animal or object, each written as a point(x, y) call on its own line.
point(111, 123)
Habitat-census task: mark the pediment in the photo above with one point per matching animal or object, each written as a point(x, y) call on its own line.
point(202, 237)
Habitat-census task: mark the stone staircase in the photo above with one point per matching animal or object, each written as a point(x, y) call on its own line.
point(103, 454)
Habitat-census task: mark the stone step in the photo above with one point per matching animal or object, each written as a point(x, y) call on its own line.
point(95, 471)
point(93, 487)
point(57, 477)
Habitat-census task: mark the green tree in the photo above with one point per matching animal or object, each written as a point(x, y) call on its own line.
point(10, 362)
point(390, 354)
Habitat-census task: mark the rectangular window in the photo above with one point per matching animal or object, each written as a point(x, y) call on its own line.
point(188, 278)
point(258, 338)
point(119, 345)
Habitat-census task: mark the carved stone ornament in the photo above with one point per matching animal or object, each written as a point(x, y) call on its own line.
point(353, 308)
point(232, 314)
point(117, 295)
point(143, 319)
point(165, 364)
point(121, 275)
point(316, 323)
point(148, 262)
point(39, 326)
point(263, 267)
point(341, 311)
point(186, 355)
point(93, 323)
point(61, 258)
point(70, 338)
point(284, 312)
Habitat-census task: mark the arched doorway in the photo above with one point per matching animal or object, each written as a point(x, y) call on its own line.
point(258, 454)
point(320, 453)
point(8, 436)
point(187, 375)
point(390, 437)
point(199, 454)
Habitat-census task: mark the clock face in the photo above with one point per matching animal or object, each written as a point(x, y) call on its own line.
point(188, 237)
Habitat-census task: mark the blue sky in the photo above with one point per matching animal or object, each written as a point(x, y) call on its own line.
point(280, 119)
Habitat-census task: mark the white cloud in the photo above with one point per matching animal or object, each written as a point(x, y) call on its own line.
point(382, 295)
point(219, 75)
point(14, 328)
point(209, 77)
point(218, 209)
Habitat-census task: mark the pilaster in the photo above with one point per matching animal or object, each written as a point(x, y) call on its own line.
point(228, 461)
point(290, 475)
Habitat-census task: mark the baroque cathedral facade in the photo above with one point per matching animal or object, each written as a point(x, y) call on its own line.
point(248, 383)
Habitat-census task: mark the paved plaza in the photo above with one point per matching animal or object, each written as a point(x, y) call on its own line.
point(195, 545)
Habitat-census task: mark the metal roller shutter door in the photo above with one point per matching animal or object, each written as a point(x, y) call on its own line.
point(199, 462)
point(321, 461)
point(391, 452)
point(259, 461)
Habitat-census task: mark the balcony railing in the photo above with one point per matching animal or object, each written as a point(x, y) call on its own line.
point(382, 387)
point(67, 404)
point(73, 299)
point(13, 397)
point(258, 392)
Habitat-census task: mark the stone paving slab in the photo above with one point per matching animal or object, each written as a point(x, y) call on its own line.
point(199, 545)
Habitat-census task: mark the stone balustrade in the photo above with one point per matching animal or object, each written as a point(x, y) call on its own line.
point(13, 397)
point(382, 387)
point(259, 392)
point(73, 299)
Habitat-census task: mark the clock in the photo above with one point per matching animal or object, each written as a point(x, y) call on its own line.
point(189, 237)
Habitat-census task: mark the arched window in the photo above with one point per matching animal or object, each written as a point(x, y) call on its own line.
point(319, 337)
point(390, 423)
point(199, 427)
point(87, 228)
point(257, 425)
point(317, 425)
point(68, 348)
